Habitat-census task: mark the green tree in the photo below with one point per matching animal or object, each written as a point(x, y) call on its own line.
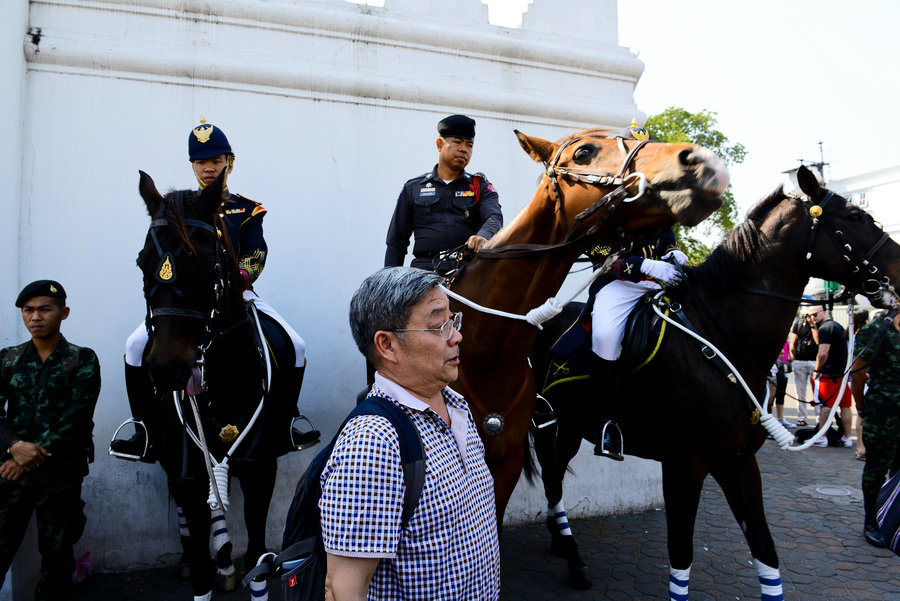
point(678, 125)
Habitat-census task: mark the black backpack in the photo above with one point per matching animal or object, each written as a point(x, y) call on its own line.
point(302, 563)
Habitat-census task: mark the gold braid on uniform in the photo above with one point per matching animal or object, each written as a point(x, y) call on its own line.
point(252, 263)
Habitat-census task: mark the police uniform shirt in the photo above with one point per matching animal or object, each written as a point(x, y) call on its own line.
point(441, 215)
point(243, 222)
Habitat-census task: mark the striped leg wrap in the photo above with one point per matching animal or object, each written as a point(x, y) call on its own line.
point(678, 584)
point(558, 512)
point(769, 582)
point(182, 523)
point(259, 591)
point(219, 529)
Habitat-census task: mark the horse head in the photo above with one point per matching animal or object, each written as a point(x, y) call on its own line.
point(847, 245)
point(185, 277)
point(659, 184)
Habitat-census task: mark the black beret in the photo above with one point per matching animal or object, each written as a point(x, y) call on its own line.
point(50, 288)
point(457, 126)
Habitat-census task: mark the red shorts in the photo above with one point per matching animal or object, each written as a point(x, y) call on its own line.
point(827, 392)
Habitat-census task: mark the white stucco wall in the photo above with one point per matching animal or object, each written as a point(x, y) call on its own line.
point(330, 107)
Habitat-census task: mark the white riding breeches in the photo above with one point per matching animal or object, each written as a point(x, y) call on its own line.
point(612, 304)
point(137, 341)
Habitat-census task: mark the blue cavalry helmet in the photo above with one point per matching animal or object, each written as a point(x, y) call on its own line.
point(634, 131)
point(206, 141)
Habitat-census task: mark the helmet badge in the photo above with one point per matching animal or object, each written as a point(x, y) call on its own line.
point(203, 132)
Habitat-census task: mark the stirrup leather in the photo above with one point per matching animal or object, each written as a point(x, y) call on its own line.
point(130, 456)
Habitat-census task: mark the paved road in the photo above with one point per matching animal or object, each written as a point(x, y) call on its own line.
point(818, 536)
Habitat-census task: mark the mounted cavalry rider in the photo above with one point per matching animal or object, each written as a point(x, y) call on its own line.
point(210, 154)
point(614, 295)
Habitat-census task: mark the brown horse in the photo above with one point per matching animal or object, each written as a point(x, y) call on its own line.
point(581, 202)
point(680, 409)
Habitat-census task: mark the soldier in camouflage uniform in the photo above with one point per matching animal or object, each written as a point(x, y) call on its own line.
point(881, 403)
point(48, 390)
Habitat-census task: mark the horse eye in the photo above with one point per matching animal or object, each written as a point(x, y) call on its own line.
point(583, 153)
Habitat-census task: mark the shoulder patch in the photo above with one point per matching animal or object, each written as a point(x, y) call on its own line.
point(258, 210)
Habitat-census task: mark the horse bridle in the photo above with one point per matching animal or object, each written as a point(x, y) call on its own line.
point(611, 200)
point(166, 275)
point(873, 282)
point(598, 178)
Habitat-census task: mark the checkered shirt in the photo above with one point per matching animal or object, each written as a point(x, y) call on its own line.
point(449, 549)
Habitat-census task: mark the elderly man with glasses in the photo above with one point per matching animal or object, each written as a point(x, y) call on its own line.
point(401, 321)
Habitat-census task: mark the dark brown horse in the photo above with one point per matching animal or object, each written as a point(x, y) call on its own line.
point(582, 201)
point(202, 339)
point(683, 411)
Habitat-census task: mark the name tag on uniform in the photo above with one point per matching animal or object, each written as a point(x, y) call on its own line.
point(465, 193)
point(427, 191)
point(234, 211)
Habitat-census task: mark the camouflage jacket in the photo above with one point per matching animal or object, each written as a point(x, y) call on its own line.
point(49, 403)
point(884, 368)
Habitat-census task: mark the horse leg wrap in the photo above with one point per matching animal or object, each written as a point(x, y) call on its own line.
point(678, 584)
point(182, 523)
point(259, 591)
point(206, 597)
point(558, 512)
point(219, 529)
point(769, 582)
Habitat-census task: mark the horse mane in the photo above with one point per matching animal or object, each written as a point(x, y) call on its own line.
point(745, 244)
point(173, 212)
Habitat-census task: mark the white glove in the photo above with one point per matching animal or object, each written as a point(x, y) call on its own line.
point(660, 270)
point(678, 256)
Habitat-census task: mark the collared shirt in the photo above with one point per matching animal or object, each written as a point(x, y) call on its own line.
point(449, 549)
point(442, 215)
point(51, 402)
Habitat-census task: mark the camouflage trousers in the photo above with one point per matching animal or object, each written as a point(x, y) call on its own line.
point(881, 435)
point(55, 498)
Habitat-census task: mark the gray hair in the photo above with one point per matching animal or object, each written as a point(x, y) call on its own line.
point(384, 301)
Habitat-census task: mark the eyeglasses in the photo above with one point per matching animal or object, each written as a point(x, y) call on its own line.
point(446, 329)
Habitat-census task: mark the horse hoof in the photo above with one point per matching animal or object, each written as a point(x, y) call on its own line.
point(579, 578)
point(226, 580)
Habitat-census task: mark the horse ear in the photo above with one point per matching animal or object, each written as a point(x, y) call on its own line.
point(211, 197)
point(808, 182)
point(152, 198)
point(540, 150)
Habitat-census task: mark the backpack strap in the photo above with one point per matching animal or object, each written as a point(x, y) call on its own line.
point(412, 452)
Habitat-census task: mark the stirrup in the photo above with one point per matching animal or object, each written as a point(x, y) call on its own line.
point(611, 442)
point(130, 456)
point(303, 433)
point(541, 418)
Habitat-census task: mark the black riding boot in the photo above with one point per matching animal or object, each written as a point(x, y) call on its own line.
point(141, 398)
point(303, 433)
point(609, 439)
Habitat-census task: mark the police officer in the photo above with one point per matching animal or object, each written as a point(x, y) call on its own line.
point(446, 207)
point(48, 391)
point(210, 154)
